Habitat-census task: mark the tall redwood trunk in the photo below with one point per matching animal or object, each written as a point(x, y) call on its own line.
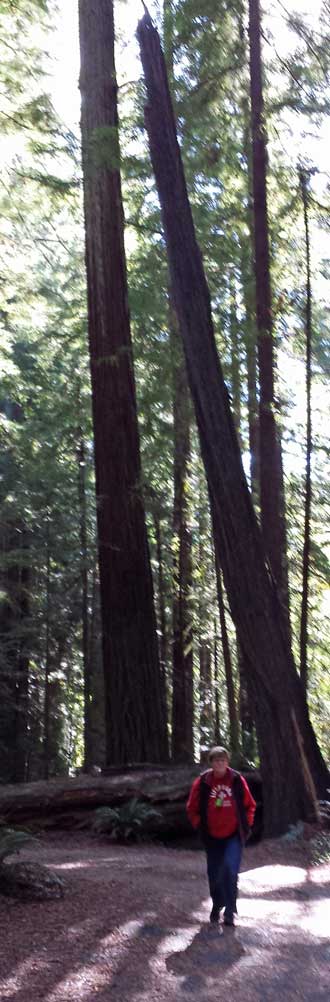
point(271, 473)
point(309, 446)
point(135, 726)
point(278, 699)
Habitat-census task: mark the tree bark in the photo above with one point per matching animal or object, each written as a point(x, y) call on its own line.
point(271, 472)
point(309, 446)
point(254, 603)
point(135, 727)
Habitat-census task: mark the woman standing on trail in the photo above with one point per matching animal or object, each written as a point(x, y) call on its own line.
point(221, 805)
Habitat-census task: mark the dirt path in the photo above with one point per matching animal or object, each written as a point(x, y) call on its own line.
point(133, 927)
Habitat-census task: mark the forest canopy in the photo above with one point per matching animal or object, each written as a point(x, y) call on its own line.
point(152, 630)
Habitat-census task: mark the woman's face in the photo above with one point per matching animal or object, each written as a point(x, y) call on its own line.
point(219, 765)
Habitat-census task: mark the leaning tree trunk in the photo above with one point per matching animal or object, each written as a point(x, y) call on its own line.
point(134, 721)
point(255, 608)
point(271, 473)
point(309, 445)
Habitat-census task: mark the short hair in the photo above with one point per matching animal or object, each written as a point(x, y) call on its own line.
point(218, 751)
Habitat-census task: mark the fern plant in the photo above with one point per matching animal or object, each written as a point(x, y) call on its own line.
point(124, 823)
point(11, 841)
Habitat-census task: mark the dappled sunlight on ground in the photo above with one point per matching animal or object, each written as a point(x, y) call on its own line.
point(134, 927)
point(277, 875)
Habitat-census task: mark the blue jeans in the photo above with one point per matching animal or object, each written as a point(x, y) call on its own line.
point(223, 863)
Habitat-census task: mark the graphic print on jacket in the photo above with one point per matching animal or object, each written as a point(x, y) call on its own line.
point(222, 813)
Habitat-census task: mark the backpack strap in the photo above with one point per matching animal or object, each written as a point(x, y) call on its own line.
point(205, 791)
point(238, 795)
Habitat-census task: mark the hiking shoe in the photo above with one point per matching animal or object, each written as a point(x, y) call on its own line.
point(228, 920)
point(215, 914)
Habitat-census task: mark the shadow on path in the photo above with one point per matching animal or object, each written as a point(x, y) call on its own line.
point(210, 955)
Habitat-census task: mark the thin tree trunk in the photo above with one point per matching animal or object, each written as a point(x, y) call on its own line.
point(249, 295)
point(231, 698)
point(97, 674)
point(81, 458)
point(245, 708)
point(182, 651)
point(253, 425)
point(135, 728)
point(256, 611)
point(235, 378)
point(271, 474)
point(46, 737)
point(217, 737)
point(309, 446)
point(206, 720)
point(163, 645)
point(163, 633)
point(206, 716)
point(23, 659)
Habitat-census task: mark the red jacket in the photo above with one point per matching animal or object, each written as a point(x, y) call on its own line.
point(222, 817)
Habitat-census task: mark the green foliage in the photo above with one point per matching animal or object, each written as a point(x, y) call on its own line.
point(124, 823)
point(45, 387)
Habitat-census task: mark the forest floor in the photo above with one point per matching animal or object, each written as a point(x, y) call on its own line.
point(133, 927)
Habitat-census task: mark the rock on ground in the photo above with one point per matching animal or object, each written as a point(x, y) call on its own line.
point(30, 881)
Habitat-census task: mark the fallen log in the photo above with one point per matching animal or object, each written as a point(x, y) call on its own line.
point(70, 802)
